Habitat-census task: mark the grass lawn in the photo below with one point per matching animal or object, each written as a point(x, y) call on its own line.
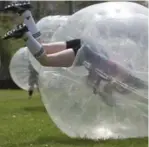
point(25, 123)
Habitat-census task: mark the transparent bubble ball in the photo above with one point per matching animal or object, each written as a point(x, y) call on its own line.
point(49, 24)
point(78, 21)
point(23, 66)
point(22, 71)
point(104, 93)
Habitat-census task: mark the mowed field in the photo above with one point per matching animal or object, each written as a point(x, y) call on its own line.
point(25, 123)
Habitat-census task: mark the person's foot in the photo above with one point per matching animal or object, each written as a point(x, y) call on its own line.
point(18, 7)
point(30, 93)
point(16, 33)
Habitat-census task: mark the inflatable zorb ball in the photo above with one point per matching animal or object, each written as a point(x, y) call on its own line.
point(49, 24)
point(22, 71)
point(104, 94)
point(23, 66)
point(75, 25)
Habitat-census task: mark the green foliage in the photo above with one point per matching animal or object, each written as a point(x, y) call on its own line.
point(9, 46)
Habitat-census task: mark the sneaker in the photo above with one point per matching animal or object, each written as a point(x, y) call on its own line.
point(18, 7)
point(30, 93)
point(16, 33)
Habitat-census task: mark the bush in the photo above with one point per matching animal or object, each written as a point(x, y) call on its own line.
point(7, 47)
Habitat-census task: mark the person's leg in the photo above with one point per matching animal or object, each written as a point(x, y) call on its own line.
point(59, 56)
point(55, 47)
point(63, 58)
point(30, 92)
point(31, 25)
point(23, 8)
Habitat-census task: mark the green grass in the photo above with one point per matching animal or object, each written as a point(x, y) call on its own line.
point(25, 123)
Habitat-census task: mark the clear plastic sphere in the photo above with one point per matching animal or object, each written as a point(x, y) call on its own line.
point(23, 66)
point(103, 95)
point(22, 71)
point(80, 19)
point(49, 24)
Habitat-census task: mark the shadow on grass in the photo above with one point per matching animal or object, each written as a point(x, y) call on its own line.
point(35, 108)
point(64, 140)
point(54, 141)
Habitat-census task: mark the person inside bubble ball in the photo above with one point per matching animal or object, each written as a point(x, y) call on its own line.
point(57, 54)
point(32, 80)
